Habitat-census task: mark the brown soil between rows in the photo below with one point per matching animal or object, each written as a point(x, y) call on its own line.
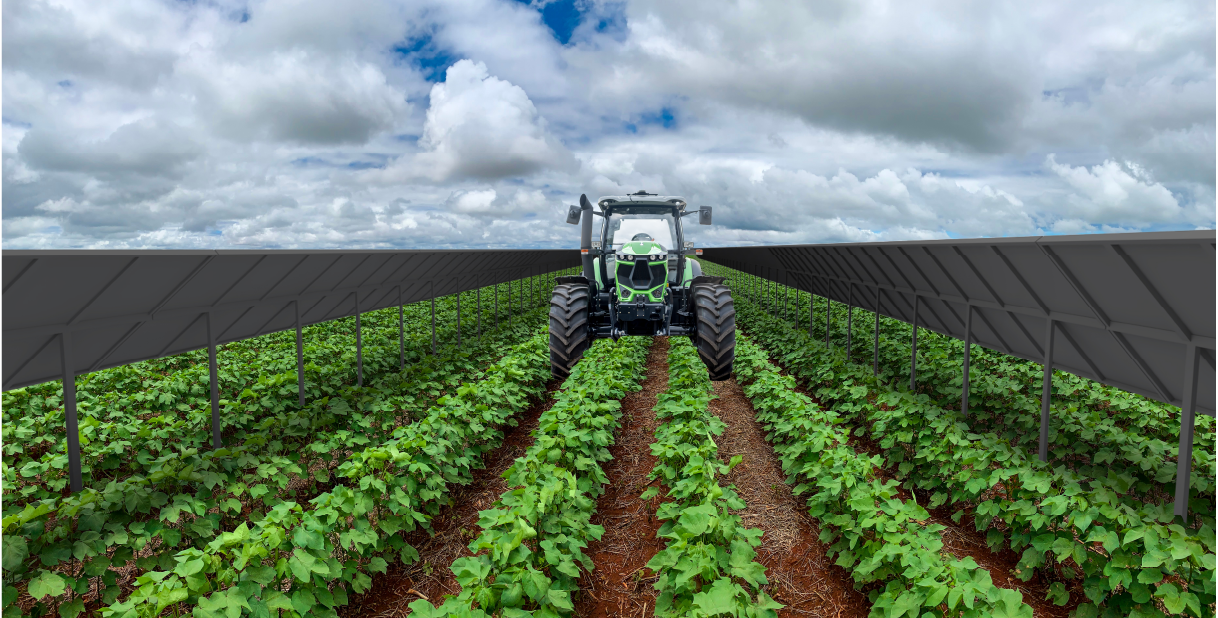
point(964, 540)
point(617, 585)
point(429, 577)
point(801, 576)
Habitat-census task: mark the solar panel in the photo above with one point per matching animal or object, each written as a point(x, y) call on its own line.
point(1127, 309)
point(119, 307)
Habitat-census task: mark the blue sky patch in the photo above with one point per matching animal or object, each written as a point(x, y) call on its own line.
point(423, 53)
point(561, 16)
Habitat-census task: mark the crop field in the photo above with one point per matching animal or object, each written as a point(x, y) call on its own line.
point(471, 483)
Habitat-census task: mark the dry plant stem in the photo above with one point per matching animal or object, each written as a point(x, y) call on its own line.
point(619, 585)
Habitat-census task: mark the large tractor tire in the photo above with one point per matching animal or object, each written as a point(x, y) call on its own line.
point(568, 327)
point(715, 317)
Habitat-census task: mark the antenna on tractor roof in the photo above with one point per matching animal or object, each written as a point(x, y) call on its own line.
point(642, 192)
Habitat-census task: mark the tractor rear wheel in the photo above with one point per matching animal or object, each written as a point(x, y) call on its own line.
point(568, 327)
point(715, 317)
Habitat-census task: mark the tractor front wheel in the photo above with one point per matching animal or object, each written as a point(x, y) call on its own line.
point(568, 327)
point(716, 323)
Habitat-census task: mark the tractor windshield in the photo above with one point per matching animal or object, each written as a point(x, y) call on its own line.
point(624, 227)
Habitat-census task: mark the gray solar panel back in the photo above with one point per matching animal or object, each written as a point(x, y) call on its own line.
point(126, 306)
point(1127, 306)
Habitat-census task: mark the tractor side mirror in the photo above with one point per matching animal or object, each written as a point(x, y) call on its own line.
point(689, 244)
point(573, 215)
point(704, 215)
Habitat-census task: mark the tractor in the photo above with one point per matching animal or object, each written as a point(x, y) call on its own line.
point(638, 279)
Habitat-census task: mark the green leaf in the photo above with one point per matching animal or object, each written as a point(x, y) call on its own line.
point(560, 599)
point(15, 551)
point(47, 583)
point(73, 608)
point(261, 574)
point(1058, 594)
point(696, 519)
point(378, 565)
point(719, 599)
point(937, 596)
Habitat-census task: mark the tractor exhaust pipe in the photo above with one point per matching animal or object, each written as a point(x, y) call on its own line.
point(585, 237)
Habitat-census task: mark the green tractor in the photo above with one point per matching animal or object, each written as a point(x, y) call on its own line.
point(639, 280)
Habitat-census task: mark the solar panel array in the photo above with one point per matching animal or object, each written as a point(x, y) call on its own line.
point(1128, 308)
point(119, 307)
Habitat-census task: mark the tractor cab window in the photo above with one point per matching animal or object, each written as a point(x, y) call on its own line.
point(625, 227)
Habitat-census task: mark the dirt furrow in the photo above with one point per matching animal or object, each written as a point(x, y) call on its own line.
point(429, 577)
point(964, 540)
point(617, 586)
point(801, 576)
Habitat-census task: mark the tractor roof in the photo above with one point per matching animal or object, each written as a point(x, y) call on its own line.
point(642, 199)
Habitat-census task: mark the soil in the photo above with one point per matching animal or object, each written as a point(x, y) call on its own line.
point(619, 584)
point(801, 576)
point(429, 577)
point(964, 540)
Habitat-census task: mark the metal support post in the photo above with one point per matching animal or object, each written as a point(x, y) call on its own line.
point(75, 480)
point(300, 379)
point(875, 360)
point(433, 317)
point(968, 353)
point(401, 333)
point(828, 314)
point(478, 300)
point(786, 299)
point(811, 311)
point(213, 374)
point(849, 319)
point(359, 345)
point(1046, 393)
point(1188, 416)
point(913, 354)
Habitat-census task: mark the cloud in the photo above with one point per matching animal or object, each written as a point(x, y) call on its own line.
point(481, 127)
point(146, 147)
point(297, 96)
point(469, 123)
point(1112, 193)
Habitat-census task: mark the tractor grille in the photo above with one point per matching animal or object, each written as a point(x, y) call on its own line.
point(643, 276)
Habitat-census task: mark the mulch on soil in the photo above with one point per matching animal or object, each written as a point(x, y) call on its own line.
point(801, 576)
point(618, 585)
point(429, 577)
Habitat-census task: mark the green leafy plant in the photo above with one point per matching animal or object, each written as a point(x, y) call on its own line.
point(529, 553)
point(707, 567)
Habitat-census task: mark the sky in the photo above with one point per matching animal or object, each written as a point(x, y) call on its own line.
point(475, 123)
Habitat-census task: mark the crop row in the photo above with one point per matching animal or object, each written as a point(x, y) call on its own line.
point(876, 535)
point(709, 552)
point(530, 549)
point(130, 416)
point(1131, 557)
point(1125, 439)
point(302, 560)
point(190, 497)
